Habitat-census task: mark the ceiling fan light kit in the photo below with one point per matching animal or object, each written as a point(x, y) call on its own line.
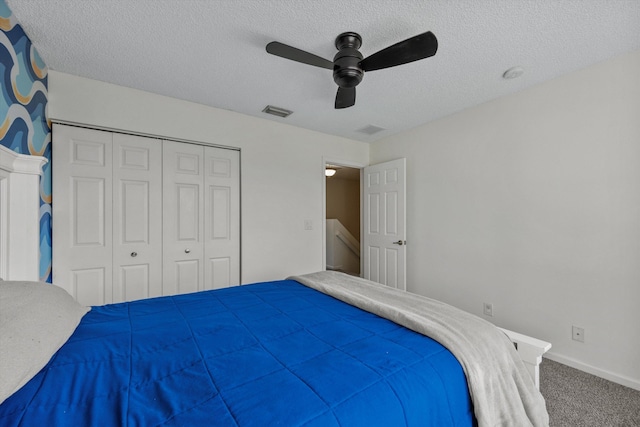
point(348, 64)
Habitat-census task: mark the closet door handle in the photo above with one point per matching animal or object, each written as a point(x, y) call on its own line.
point(400, 242)
point(186, 251)
point(134, 254)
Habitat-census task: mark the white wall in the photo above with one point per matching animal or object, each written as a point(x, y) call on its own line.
point(532, 202)
point(282, 166)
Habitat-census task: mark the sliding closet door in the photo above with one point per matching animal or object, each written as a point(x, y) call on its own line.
point(81, 213)
point(183, 223)
point(222, 218)
point(137, 217)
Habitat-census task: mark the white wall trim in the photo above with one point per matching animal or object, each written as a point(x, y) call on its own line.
point(143, 134)
point(602, 373)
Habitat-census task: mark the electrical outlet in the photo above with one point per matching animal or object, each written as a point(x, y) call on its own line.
point(578, 334)
point(488, 309)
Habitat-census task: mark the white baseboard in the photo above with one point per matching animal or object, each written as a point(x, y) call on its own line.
point(607, 375)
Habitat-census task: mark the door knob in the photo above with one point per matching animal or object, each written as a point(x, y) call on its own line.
point(134, 254)
point(400, 242)
point(186, 251)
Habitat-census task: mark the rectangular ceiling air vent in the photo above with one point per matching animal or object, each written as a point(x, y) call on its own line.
point(276, 111)
point(370, 129)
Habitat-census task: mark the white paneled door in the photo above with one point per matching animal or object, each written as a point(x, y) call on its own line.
point(137, 221)
point(183, 217)
point(222, 218)
point(137, 217)
point(201, 218)
point(82, 167)
point(384, 223)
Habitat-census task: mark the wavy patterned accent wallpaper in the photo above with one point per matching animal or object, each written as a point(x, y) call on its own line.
point(24, 125)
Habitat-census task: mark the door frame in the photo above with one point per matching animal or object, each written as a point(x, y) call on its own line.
point(347, 164)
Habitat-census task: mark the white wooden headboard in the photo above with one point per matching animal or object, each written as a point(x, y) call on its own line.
point(19, 215)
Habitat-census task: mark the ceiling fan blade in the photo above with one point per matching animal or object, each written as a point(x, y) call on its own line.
point(412, 49)
point(345, 97)
point(294, 54)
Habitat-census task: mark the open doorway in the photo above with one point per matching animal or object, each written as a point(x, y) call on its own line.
point(343, 219)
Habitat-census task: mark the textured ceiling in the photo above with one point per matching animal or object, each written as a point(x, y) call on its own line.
point(213, 52)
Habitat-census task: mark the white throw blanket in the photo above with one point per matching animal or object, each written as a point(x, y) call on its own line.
point(502, 390)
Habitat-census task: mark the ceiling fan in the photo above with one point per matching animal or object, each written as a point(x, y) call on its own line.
point(349, 66)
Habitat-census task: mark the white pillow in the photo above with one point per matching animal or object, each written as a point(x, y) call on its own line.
point(35, 320)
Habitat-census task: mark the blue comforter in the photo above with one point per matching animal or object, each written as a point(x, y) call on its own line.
point(274, 353)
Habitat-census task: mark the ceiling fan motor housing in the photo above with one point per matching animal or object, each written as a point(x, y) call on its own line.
point(346, 64)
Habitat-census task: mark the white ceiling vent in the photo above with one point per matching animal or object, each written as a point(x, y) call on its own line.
point(370, 129)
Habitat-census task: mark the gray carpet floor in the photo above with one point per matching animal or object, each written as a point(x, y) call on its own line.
point(577, 399)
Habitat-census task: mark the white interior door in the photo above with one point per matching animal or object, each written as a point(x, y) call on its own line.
point(221, 218)
point(183, 213)
point(137, 217)
point(384, 223)
point(81, 213)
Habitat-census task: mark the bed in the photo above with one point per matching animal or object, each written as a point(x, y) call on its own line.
point(320, 349)
point(274, 353)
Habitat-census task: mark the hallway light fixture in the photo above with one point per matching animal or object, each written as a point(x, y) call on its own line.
point(329, 172)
